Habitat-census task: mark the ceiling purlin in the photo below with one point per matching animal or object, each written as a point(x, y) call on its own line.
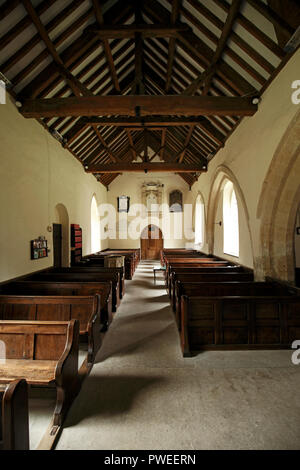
point(149, 70)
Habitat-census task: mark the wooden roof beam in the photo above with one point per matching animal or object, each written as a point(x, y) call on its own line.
point(186, 143)
point(102, 140)
point(142, 167)
point(106, 46)
point(146, 30)
point(75, 84)
point(171, 53)
point(147, 105)
point(226, 32)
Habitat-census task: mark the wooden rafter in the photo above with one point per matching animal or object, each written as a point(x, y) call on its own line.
point(186, 143)
point(174, 18)
point(147, 105)
point(226, 32)
point(106, 46)
point(75, 84)
point(163, 141)
point(102, 140)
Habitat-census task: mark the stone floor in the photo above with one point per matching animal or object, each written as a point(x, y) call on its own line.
point(141, 393)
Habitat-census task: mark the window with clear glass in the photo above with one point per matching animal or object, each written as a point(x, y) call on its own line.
point(199, 221)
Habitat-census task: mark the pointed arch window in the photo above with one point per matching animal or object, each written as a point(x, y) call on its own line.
point(199, 221)
point(230, 220)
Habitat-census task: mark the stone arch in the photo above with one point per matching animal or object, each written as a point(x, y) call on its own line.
point(278, 205)
point(222, 175)
point(62, 217)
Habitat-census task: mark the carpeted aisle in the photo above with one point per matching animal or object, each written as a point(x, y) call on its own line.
point(141, 393)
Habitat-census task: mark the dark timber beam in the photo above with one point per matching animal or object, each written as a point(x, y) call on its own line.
point(106, 46)
point(138, 167)
point(146, 105)
point(146, 30)
point(174, 18)
point(75, 84)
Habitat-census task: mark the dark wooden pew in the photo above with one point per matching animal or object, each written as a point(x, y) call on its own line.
point(65, 288)
point(225, 289)
point(83, 277)
point(206, 277)
point(190, 269)
point(132, 258)
point(165, 252)
point(14, 422)
point(95, 269)
point(173, 263)
point(46, 355)
point(32, 303)
point(239, 322)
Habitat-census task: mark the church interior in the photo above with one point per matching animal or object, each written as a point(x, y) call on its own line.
point(150, 225)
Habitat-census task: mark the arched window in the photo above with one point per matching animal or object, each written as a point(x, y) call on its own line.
point(199, 221)
point(230, 220)
point(95, 227)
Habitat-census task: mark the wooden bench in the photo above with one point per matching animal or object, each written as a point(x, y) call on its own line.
point(61, 288)
point(14, 422)
point(82, 268)
point(181, 269)
point(46, 355)
point(193, 262)
point(223, 289)
point(239, 322)
point(102, 278)
point(206, 277)
point(33, 303)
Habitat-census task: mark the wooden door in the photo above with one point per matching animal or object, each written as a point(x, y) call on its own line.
point(57, 245)
point(151, 242)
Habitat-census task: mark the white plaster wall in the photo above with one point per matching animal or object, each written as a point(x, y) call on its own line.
point(36, 174)
point(248, 154)
point(130, 184)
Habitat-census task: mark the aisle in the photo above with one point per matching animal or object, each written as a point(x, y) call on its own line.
point(141, 393)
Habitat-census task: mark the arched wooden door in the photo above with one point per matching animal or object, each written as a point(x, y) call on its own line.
point(151, 242)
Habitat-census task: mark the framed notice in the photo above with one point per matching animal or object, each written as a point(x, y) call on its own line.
point(123, 203)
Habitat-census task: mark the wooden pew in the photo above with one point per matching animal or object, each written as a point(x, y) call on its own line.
point(83, 268)
point(78, 277)
point(169, 251)
point(35, 287)
point(98, 260)
point(225, 289)
point(190, 269)
point(14, 422)
point(206, 277)
point(239, 322)
point(193, 262)
point(132, 258)
point(46, 355)
point(32, 303)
